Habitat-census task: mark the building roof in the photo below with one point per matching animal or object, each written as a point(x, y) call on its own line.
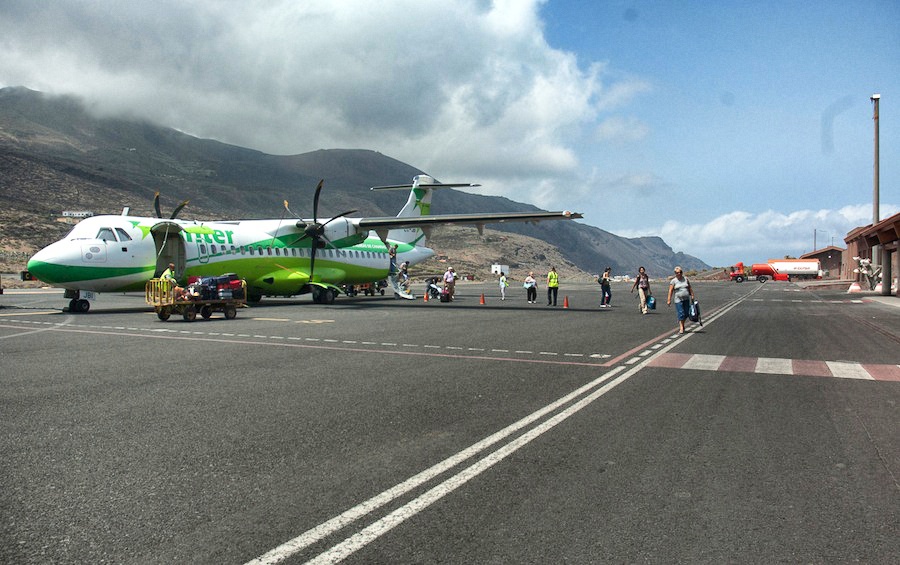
point(817, 252)
point(885, 233)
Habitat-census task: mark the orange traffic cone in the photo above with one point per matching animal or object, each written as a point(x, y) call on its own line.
point(426, 295)
point(565, 301)
point(482, 299)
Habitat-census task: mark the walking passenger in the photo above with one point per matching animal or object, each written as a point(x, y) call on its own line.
point(530, 288)
point(605, 288)
point(642, 284)
point(680, 289)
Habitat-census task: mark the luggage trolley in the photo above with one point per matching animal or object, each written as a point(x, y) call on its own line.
point(212, 294)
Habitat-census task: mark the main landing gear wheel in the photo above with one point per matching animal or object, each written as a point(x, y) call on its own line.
point(79, 305)
point(324, 296)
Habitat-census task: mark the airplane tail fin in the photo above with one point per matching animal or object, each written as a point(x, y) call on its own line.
point(418, 204)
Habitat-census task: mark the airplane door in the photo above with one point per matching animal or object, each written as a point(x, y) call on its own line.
point(170, 247)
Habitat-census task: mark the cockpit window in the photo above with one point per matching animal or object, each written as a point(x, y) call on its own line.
point(123, 235)
point(106, 234)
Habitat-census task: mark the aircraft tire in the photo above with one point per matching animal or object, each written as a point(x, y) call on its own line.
point(230, 312)
point(163, 313)
point(82, 306)
point(189, 314)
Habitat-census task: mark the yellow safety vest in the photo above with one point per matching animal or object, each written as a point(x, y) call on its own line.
point(552, 279)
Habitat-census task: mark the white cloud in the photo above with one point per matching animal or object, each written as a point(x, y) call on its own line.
point(749, 237)
point(465, 86)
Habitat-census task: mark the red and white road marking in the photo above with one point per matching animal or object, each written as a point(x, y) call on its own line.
point(778, 366)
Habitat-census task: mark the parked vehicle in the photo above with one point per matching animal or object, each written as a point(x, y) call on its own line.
point(800, 268)
point(759, 271)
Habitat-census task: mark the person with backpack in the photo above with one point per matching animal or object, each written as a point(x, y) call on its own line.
point(605, 288)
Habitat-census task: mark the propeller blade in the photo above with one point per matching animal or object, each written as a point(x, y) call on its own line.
point(341, 215)
point(298, 240)
point(316, 201)
point(156, 205)
point(178, 209)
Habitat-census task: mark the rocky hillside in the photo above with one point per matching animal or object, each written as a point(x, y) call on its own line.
point(56, 156)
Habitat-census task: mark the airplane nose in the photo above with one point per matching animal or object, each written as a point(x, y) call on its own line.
point(44, 266)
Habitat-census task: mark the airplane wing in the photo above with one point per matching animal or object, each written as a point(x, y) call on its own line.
point(393, 222)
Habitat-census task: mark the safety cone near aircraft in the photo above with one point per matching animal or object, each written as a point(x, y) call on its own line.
point(482, 299)
point(277, 257)
point(565, 301)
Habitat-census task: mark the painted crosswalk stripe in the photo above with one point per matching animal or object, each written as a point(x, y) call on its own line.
point(704, 362)
point(774, 366)
point(845, 370)
point(777, 366)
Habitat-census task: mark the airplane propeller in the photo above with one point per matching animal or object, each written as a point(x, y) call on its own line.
point(316, 231)
point(174, 212)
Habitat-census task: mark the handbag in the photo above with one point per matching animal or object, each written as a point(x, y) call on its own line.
point(651, 303)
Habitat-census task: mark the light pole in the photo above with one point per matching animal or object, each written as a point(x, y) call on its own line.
point(876, 255)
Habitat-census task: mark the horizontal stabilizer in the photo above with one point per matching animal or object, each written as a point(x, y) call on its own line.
point(434, 185)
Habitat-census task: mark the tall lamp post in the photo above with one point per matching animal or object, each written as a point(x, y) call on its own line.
point(876, 255)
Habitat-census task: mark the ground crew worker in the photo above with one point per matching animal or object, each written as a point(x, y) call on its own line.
point(169, 273)
point(552, 286)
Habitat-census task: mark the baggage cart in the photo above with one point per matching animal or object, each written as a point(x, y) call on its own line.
point(189, 302)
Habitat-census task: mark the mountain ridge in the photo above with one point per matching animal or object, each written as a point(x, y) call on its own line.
point(55, 155)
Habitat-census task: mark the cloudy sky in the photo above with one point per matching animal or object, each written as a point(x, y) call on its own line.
point(734, 130)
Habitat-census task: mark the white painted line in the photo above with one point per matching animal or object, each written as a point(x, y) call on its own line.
point(632, 361)
point(645, 353)
point(774, 366)
point(367, 535)
point(704, 362)
point(325, 529)
point(847, 370)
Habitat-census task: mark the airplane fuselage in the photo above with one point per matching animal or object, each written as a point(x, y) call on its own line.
point(120, 253)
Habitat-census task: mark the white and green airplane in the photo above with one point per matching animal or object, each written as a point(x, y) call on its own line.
point(277, 257)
